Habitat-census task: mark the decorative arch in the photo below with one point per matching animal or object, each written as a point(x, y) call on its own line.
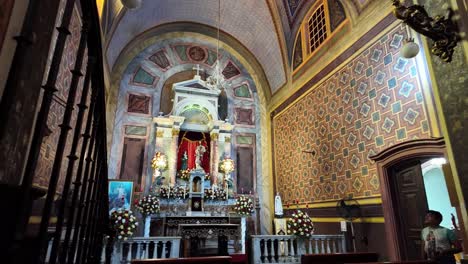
point(418, 148)
point(336, 16)
point(202, 34)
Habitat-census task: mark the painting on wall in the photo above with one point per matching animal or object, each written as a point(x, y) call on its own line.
point(120, 194)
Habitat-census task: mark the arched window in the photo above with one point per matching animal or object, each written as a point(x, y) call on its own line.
point(321, 22)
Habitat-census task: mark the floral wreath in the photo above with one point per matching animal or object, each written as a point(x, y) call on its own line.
point(123, 223)
point(148, 205)
point(300, 224)
point(244, 206)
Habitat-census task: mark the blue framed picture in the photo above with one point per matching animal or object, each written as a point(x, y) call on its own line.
point(120, 194)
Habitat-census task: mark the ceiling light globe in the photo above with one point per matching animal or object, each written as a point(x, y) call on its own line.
point(131, 4)
point(409, 50)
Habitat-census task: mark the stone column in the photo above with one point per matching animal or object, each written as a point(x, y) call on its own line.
point(163, 144)
point(172, 158)
point(214, 159)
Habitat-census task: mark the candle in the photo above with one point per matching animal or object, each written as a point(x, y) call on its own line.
point(185, 185)
point(168, 191)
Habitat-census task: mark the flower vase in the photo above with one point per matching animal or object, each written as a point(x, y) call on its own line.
point(146, 232)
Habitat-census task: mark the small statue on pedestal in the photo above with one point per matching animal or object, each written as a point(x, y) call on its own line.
point(199, 151)
point(278, 205)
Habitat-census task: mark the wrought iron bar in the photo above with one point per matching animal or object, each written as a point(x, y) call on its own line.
point(62, 141)
point(91, 252)
point(49, 90)
point(24, 41)
point(72, 157)
point(87, 203)
point(84, 145)
point(91, 216)
point(79, 216)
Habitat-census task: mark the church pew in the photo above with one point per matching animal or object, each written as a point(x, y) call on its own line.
point(194, 260)
point(339, 258)
point(239, 258)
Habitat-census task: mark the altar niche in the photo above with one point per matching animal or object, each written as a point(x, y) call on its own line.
point(192, 145)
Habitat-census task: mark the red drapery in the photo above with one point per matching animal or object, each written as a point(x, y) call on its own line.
point(188, 142)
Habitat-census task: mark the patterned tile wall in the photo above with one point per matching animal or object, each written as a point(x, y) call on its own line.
point(49, 144)
point(369, 104)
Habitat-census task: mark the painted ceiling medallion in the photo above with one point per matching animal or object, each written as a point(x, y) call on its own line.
point(197, 53)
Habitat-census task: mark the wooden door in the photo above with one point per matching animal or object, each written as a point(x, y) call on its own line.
point(411, 207)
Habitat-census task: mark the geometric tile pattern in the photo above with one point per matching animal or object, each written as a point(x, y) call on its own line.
point(138, 104)
point(230, 70)
point(57, 109)
point(244, 116)
point(143, 78)
point(379, 104)
point(242, 91)
point(159, 58)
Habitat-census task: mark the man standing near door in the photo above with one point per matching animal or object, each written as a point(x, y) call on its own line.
point(440, 243)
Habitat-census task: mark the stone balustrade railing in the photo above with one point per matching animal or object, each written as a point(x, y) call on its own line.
point(145, 248)
point(288, 249)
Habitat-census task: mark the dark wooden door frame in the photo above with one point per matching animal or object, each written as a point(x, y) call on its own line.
point(418, 148)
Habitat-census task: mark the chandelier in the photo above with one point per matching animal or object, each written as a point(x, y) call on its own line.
point(217, 81)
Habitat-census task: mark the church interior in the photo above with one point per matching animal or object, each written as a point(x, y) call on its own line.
point(220, 131)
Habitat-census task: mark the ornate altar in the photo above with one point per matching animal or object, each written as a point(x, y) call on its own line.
point(197, 194)
point(194, 141)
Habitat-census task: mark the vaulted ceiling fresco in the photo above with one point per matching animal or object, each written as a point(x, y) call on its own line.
point(267, 29)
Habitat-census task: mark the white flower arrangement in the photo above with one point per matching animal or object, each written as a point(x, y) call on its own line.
point(123, 223)
point(215, 194)
point(300, 224)
point(244, 205)
point(148, 205)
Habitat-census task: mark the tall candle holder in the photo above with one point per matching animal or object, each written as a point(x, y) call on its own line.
point(227, 166)
point(159, 164)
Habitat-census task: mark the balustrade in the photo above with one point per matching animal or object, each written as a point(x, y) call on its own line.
point(288, 249)
point(145, 248)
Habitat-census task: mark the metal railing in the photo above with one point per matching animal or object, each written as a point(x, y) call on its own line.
point(288, 249)
point(82, 210)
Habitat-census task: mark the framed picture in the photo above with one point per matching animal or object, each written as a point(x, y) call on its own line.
point(120, 194)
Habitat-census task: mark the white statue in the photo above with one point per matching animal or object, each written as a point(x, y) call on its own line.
point(278, 205)
point(199, 151)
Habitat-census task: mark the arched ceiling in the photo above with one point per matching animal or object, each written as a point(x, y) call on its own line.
point(266, 28)
point(250, 22)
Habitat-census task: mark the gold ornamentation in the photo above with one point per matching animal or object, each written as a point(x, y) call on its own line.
point(227, 139)
point(160, 133)
point(443, 31)
point(214, 136)
point(175, 132)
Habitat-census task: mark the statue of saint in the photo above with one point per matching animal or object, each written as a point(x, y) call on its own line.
point(278, 205)
point(183, 165)
point(199, 151)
